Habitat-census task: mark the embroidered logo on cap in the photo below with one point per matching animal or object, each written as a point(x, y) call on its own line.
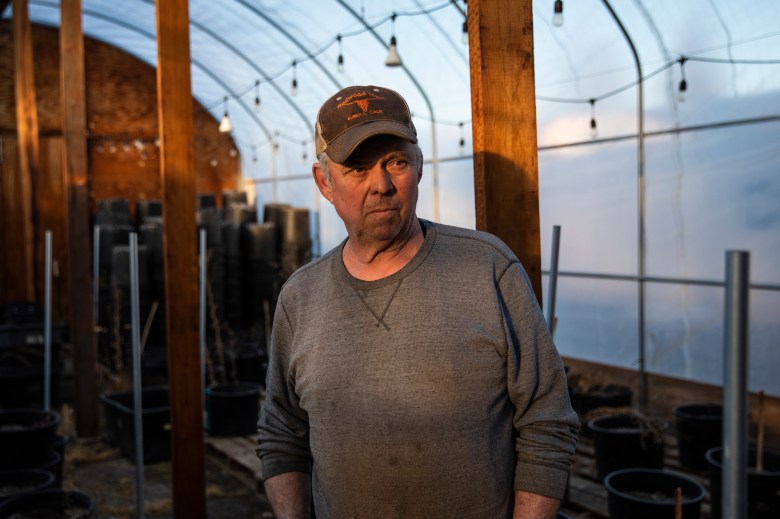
point(362, 99)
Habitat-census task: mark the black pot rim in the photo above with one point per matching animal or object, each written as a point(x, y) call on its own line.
point(237, 389)
point(25, 410)
point(751, 471)
point(43, 498)
point(687, 411)
point(635, 428)
point(608, 484)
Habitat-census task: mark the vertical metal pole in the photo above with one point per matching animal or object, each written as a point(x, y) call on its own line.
point(202, 305)
point(734, 475)
point(47, 328)
point(640, 155)
point(553, 283)
point(137, 407)
point(95, 274)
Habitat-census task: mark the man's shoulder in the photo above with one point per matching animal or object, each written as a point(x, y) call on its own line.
point(461, 237)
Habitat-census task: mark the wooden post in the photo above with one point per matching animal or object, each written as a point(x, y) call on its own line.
point(174, 100)
point(76, 181)
point(24, 243)
point(506, 176)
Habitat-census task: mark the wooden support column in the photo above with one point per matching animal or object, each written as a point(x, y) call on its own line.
point(506, 176)
point(76, 181)
point(20, 198)
point(174, 101)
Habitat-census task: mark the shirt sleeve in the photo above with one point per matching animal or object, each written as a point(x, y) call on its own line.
point(545, 422)
point(282, 430)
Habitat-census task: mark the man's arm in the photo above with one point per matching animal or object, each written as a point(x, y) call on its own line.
point(290, 495)
point(534, 506)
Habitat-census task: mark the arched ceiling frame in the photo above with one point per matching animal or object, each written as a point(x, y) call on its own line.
point(152, 36)
point(266, 77)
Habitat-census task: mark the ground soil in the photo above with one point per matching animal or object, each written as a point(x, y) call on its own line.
point(109, 478)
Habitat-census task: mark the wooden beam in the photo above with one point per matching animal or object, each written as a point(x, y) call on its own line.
point(506, 177)
point(174, 100)
point(24, 244)
point(76, 182)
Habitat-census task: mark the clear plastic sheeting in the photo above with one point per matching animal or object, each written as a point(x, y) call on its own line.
point(711, 162)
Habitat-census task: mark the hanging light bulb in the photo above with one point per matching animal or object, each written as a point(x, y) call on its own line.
point(593, 130)
point(393, 59)
point(683, 88)
point(558, 13)
point(254, 155)
point(462, 143)
point(341, 55)
point(295, 78)
point(464, 36)
point(225, 126)
point(257, 95)
point(304, 156)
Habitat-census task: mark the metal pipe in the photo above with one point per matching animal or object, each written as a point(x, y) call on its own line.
point(47, 328)
point(640, 208)
point(202, 305)
point(553, 283)
point(137, 403)
point(95, 276)
point(735, 362)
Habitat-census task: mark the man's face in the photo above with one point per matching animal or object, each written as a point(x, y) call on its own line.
point(375, 190)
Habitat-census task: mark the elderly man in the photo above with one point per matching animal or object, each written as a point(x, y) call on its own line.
point(411, 373)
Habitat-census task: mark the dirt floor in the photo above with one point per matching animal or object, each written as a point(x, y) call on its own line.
point(109, 478)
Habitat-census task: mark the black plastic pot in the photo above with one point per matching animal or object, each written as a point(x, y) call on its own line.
point(14, 482)
point(641, 493)
point(50, 503)
point(622, 442)
point(120, 424)
point(53, 466)
point(600, 395)
point(763, 488)
point(699, 428)
point(232, 409)
point(26, 437)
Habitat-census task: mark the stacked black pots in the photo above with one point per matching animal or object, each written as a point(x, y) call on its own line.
point(210, 220)
point(155, 357)
point(28, 439)
point(763, 487)
point(699, 428)
point(260, 271)
point(122, 297)
point(50, 503)
point(109, 326)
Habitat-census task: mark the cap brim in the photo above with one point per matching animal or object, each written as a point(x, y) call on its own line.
point(342, 146)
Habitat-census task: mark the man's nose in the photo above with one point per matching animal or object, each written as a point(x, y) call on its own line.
point(381, 180)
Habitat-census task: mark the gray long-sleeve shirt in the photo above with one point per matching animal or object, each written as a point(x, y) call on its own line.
point(434, 392)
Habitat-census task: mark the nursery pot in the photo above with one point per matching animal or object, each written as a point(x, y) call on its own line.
point(699, 428)
point(763, 488)
point(622, 442)
point(14, 482)
point(601, 395)
point(232, 409)
point(120, 423)
point(642, 493)
point(48, 503)
point(26, 437)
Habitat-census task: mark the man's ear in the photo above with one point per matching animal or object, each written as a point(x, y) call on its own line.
point(322, 181)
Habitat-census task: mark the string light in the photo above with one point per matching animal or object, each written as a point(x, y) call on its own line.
point(254, 155)
point(304, 156)
point(683, 88)
point(295, 78)
point(257, 95)
point(462, 143)
point(593, 130)
point(393, 59)
point(341, 55)
point(558, 13)
point(225, 126)
point(464, 37)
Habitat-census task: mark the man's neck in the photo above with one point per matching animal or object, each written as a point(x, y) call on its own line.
point(370, 262)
